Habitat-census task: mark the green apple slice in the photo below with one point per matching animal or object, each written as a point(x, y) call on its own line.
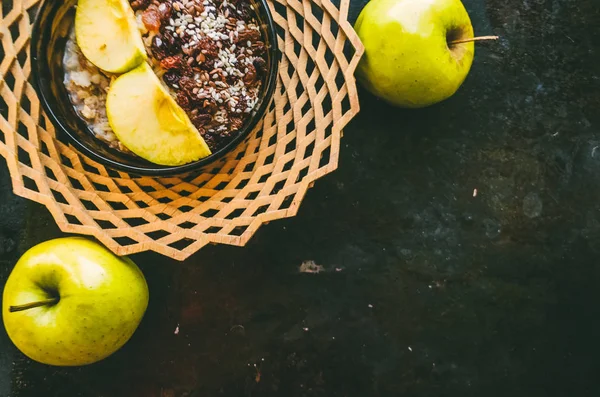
point(107, 33)
point(148, 121)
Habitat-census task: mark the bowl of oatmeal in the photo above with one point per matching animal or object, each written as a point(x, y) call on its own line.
point(217, 59)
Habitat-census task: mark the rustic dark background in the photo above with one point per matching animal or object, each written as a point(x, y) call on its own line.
point(425, 289)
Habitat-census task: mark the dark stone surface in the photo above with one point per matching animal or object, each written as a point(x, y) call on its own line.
point(426, 290)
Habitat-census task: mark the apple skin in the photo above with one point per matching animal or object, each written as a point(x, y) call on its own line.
point(407, 60)
point(102, 301)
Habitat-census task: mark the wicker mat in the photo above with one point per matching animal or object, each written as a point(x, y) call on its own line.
point(263, 179)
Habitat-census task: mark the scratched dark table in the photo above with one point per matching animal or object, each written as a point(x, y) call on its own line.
point(426, 288)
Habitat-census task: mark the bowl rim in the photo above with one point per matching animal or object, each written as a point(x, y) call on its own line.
point(158, 170)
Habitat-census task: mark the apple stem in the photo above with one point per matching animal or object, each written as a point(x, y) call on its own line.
point(26, 306)
point(480, 38)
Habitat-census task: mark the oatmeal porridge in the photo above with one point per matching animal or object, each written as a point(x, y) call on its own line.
point(209, 54)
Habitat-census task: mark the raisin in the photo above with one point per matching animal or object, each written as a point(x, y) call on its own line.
point(186, 70)
point(171, 78)
point(170, 40)
point(151, 18)
point(183, 100)
point(187, 84)
point(159, 48)
point(210, 140)
point(201, 119)
point(172, 62)
point(165, 10)
point(250, 76)
point(139, 4)
point(261, 66)
point(208, 47)
point(170, 44)
point(259, 48)
point(177, 62)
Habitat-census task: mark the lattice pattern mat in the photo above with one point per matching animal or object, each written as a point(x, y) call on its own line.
point(264, 179)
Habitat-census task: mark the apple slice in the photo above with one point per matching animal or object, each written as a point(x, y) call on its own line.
point(148, 121)
point(107, 33)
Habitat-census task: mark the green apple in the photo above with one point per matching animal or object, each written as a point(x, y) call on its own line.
point(70, 301)
point(149, 122)
point(108, 35)
point(410, 59)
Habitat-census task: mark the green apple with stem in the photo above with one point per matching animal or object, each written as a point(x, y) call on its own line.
point(417, 52)
point(70, 301)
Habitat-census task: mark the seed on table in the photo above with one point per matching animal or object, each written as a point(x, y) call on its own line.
point(176, 6)
point(190, 60)
point(200, 58)
point(195, 90)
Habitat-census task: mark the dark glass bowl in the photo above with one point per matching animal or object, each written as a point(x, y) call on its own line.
point(50, 33)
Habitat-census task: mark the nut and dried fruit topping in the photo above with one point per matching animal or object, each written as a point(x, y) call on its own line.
point(213, 58)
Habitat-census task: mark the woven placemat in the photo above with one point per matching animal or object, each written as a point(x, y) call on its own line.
point(264, 179)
